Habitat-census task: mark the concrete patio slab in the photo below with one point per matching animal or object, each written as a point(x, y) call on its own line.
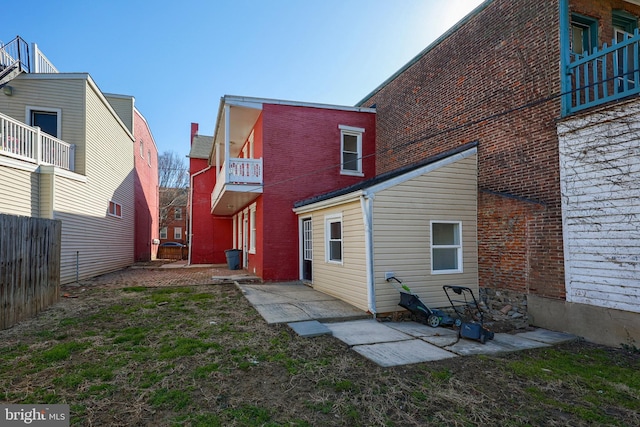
point(281, 313)
point(419, 330)
point(441, 337)
point(501, 343)
point(331, 310)
point(369, 331)
point(294, 302)
point(548, 337)
point(402, 352)
point(262, 297)
point(311, 328)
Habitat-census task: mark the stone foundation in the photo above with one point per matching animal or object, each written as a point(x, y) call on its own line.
point(504, 309)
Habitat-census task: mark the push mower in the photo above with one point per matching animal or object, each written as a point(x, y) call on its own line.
point(422, 313)
point(470, 315)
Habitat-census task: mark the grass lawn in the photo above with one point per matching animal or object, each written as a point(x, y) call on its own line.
point(202, 356)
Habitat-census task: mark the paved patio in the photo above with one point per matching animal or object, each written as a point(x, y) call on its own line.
point(311, 313)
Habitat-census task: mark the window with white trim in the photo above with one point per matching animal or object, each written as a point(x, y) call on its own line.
point(141, 149)
point(177, 213)
point(49, 120)
point(333, 238)
point(177, 233)
point(252, 228)
point(115, 209)
point(446, 247)
point(149, 157)
point(350, 150)
point(163, 233)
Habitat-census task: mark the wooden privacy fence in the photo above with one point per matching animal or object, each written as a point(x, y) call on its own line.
point(173, 252)
point(29, 267)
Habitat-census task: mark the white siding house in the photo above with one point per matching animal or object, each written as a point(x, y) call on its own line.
point(418, 222)
point(94, 196)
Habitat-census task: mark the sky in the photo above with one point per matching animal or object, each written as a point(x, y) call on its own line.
point(178, 58)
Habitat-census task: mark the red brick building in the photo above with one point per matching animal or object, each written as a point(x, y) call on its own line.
point(266, 155)
point(174, 215)
point(145, 155)
point(498, 78)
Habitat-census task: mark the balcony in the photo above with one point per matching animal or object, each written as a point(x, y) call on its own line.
point(29, 144)
point(607, 74)
point(239, 182)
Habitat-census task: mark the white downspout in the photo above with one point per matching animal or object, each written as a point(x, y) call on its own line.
point(191, 209)
point(366, 202)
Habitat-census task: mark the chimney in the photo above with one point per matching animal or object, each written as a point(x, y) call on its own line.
point(194, 131)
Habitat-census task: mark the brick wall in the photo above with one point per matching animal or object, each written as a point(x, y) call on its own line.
point(484, 82)
point(602, 11)
point(302, 143)
point(146, 190)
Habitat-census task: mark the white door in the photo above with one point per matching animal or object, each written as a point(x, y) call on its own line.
point(307, 249)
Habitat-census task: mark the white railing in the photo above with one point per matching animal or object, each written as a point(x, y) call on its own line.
point(244, 171)
point(240, 171)
point(30, 144)
point(41, 63)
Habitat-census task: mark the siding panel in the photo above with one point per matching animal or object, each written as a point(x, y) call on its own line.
point(346, 281)
point(21, 197)
point(600, 171)
point(402, 216)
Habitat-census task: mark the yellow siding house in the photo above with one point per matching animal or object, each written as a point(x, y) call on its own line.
point(418, 224)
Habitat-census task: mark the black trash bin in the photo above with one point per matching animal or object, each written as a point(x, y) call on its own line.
point(233, 258)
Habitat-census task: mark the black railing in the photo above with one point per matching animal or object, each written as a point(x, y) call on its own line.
point(15, 54)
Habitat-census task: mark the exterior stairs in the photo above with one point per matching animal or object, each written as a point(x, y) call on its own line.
point(14, 59)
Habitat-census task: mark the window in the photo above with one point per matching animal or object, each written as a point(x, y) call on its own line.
point(115, 209)
point(141, 149)
point(584, 34)
point(163, 233)
point(149, 157)
point(624, 21)
point(251, 154)
point(350, 150)
point(333, 238)
point(47, 119)
point(177, 233)
point(446, 247)
point(252, 229)
point(624, 24)
point(239, 231)
point(177, 213)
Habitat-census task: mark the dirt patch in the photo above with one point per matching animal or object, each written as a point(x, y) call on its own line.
point(159, 347)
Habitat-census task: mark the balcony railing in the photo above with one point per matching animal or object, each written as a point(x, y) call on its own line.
point(245, 171)
point(30, 144)
point(240, 176)
point(607, 74)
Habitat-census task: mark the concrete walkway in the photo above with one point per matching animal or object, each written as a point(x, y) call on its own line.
point(311, 313)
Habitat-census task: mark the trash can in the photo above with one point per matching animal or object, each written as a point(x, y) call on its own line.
point(233, 258)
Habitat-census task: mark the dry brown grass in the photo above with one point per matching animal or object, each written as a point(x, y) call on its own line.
point(202, 356)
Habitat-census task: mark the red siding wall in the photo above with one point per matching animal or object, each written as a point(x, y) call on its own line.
point(301, 154)
point(146, 191)
point(485, 83)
